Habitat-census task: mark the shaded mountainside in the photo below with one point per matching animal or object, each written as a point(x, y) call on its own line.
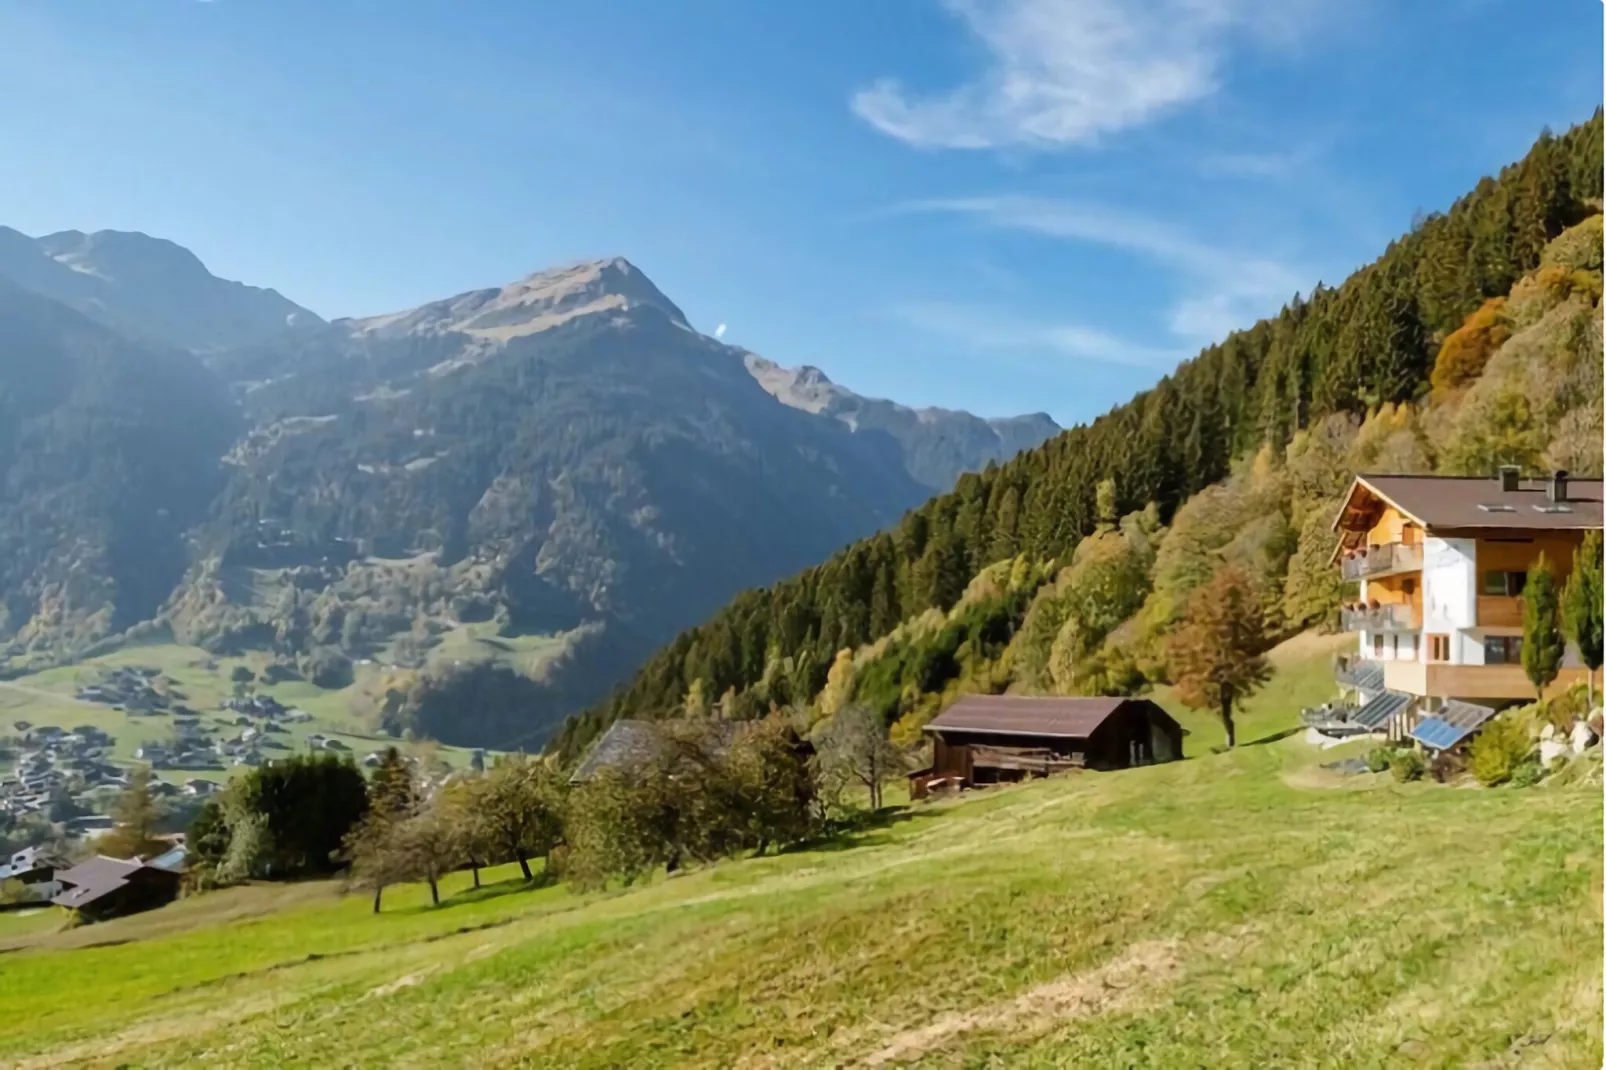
point(1307, 375)
point(147, 288)
point(108, 456)
point(562, 460)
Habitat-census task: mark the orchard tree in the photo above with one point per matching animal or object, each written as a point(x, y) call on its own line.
point(1542, 644)
point(1215, 655)
point(521, 806)
point(855, 747)
point(1582, 606)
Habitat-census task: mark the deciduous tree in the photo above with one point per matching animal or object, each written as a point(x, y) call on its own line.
point(854, 748)
point(137, 811)
point(1216, 657)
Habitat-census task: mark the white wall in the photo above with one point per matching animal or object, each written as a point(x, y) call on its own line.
point(1450, 595)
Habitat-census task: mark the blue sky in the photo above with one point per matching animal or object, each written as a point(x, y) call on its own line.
point(999, 205)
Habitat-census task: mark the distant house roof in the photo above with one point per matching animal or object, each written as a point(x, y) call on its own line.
point(1474, 502)
point(89, 881)
point(1020, 715)
point(628, 743)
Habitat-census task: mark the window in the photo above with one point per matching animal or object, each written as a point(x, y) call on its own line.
point(1438, 648)
point(1502, 650)
point(1377, 644)
point(1504, 583)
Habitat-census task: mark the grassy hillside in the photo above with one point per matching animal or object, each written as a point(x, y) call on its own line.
point(1233, 910)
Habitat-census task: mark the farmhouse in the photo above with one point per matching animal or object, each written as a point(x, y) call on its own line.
point(985, 739)
point(108, 887)
point(1441, 563)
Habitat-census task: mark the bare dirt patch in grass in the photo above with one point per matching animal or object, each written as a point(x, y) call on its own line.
point(1117, 985)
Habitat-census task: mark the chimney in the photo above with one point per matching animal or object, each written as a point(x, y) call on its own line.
point(1510, 478)
point(1558, 486)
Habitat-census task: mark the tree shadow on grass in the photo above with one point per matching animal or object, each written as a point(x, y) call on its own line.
point(1275, 736)
point(484, 893)
point(865, 829)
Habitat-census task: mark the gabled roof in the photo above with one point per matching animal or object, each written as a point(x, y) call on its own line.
point(88, 881)
point(630, 743)
point(1474, 502)
point(1020, 715)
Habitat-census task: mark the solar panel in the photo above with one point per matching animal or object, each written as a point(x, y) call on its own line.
point(1381, 710)
point(1451, 725)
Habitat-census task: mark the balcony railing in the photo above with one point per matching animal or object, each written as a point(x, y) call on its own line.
point(1393, 618)
point(1376, 560)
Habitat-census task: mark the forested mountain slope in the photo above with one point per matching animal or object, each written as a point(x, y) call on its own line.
point(1404, 344)
point(560, 469)
point(108, 455)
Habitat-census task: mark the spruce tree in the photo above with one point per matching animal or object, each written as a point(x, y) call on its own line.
point(1542, 644)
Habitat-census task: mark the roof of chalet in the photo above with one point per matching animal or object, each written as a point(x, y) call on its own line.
point(1021, 715)
point(89, 880)
point(630, 742)
point(1475, 502)
point(100, 876)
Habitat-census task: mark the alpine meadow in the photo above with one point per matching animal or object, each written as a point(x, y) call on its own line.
point(535, 675)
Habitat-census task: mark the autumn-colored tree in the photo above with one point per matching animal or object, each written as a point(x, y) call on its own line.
point(136, 813)
point(1467, 349)
point(1215, 657)
point(1582, 606)
point(1542, 644)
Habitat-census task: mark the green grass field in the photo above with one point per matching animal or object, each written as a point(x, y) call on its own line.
point(46, 698)
point(1245, 909)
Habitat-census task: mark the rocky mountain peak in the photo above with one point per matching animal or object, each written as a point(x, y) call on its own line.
point(537, 302)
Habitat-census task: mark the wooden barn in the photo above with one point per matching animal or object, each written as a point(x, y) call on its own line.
point(986, 739)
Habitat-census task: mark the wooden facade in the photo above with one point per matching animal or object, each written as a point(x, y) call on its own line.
point(991, 739)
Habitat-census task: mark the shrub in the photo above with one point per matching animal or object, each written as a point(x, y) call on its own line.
point(1377, 759)
point(1406, 765)
point(1496, 752)
point(1527, 772)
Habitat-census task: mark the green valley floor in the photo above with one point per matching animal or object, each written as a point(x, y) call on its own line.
point(1246, 909)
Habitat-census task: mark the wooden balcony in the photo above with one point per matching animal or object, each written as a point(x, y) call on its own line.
point(1469, 681)
point(1499, 611)
point(1383, 560)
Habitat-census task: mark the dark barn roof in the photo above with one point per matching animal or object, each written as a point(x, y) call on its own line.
point(1020, 715)
point(91, 880)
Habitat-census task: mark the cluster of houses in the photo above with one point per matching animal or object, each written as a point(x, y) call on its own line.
point(131, 689)
point(52, 760)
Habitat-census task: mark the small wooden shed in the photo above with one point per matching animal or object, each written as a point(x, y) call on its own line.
point(985, 739)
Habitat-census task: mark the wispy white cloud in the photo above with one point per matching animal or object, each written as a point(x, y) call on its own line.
point(983, 328)
point(1065, 72)
point(1221, 288)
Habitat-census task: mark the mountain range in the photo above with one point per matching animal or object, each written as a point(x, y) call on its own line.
point(562, 465)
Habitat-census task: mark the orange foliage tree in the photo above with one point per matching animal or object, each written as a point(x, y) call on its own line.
point(1468, 348)
point(1216, 657)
